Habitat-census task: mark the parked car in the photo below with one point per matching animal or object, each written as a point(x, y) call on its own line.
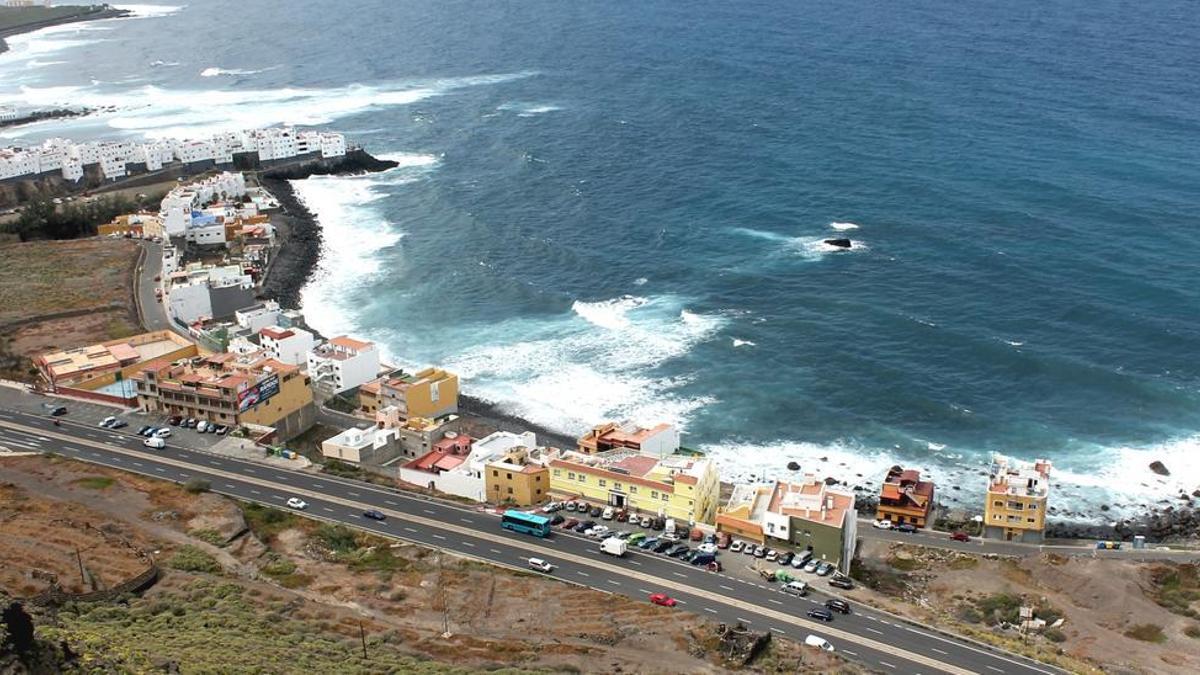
point(622, 516)
point(646, 522)
point(608, 513)
point(785, 558)
point(772, 555)
point(212, 428)
point(960, 536)
point(702, 558)
point(736, 546)
point(570, 506)
point(648, 543)
point(708, 547)
point(820, 614)
point(659, 523)
point(819, 643)
point(663, 545)
point(570, 524)
point(760, 551)
point(710, 538)
point(191, 422)
point(802, 558)
point(374, 515)
point(55, 410)
point(107, 421)
point(697, 534)
point(795, 588)
point(551, 507)
point(598, 531)
point(585, 525)
point(557, 519)
point(907, 528)
point(724, 540)
point(841, 582)
point(222, 429)
point(174, 420)
point(882, 524)
point(596, 512)
point(812, 566)
point(636, 538)
point(840, 606)
point(621, 535)
point(154, 442)
point(119, 424)
point(145, 430)
point(297, 503)
point(540, 565)
point(163, 432)
point(679, 551)
point(824, 569)
point(662, 599)
point(201, 426)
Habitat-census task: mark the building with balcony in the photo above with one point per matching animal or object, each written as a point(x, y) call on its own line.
point(343, 363)
point(905, 498)
point(518, 477)
point(108, 362)
point(428, 393)
point(290, 345)
point(229, 389)
point(1017, 493)
point(808, 515)
point(660, 441)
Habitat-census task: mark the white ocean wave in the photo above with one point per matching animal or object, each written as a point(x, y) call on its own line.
point(841, 227)
point(214, 71)
point(528, 109)
point(610, 314)
point(806, 247)
point(151, 11)
point(738, 342)
point(410, 159)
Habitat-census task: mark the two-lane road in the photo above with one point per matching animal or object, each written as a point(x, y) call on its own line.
point(876, 640)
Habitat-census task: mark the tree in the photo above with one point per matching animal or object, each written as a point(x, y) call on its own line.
point(18, 634)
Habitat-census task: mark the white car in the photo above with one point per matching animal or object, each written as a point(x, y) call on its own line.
point(107, 421)
point(737, 546)
point(201, 426)
point(883, 524)
point(772, 555)
point(550, 508)
point(297, 503)
point(819, 643)
point(608, 513)
point(162, 433)
point(540, 565)
point(707, 548)
point(154, 442)
point(598, 531)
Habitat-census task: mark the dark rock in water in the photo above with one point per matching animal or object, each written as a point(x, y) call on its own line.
point(793, 466)
point(829, 480)
point(1104, 507)
point(840, 243)
point(1159, 468)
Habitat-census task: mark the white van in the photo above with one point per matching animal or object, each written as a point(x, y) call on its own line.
point(155, 442)
point(819, 643)
point(608, 513)
point(796, 588)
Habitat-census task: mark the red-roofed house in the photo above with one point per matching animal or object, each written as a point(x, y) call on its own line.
point(290, 345)
point(905, 498)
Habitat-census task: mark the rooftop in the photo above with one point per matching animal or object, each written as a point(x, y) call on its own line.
point(1019, 479)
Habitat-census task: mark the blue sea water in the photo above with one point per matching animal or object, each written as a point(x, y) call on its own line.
point(616, 210)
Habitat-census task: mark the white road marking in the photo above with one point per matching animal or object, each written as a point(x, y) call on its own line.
point(642, 590)
point(438, 536)
point(744, 620)
point(248, 470)
point(495, 550)
point(710, 610)
point(728, 588)
point(889, 665)
point(388, 501)
point(681, 576)
point(614, 583)
point(226, 485)
point(847, 651)
point(777, 630)
point(583, 574)
point(995, 669)
point(318, 485)
point(212, 463)
point(634, 562)
point(353, 494)
point(159, 469)
point(877, 632)
point(428, 511)
point(773, 600)
point(939, 651)
point(409, 529)
point(465, 520)
point(467, 543)
point(254, 492)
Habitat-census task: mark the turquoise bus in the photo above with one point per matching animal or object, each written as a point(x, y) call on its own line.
point(526, 523)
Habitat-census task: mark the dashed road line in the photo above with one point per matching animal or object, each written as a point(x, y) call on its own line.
point(466, 520)
point(438, 536)
point(634, 562)
point(254, 492)
point(390, 502)
point(583, 574)
point(467, 543)
point(877, 632)
point(777, 630)
point(940, 651)
point(710, 610)
point(410, 529)
point(681, 576)
point(745, 621)
point(728, 588)
point(160, 469)
point(995, 669)
point(495, 550)
point(326, 508)
point(353, 494)
point(774, 601)
point(614, 583)
point(429, 512)
point(888, 665)
point(847, 651)
point(642, 590)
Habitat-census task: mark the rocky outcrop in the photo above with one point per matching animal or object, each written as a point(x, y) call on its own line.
point(1159, 468)
point(839, 243)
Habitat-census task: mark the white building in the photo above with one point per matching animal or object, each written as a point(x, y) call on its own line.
point(7, 114)
point(343, 363)
point(259, 316)
point(289, 345)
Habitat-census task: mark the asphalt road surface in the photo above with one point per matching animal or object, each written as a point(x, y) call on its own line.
point(877, 640)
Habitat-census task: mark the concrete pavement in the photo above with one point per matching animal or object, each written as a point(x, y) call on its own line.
point(877, 640)
point(153, 312)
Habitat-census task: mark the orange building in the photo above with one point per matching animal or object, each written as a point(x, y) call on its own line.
point(905, 498)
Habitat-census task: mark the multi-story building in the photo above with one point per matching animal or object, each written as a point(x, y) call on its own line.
point(372, 446)
point(684, 487)
point(1015, 509)
point(428, 393)
point(517, 477)
point(229, 389)
point(208, 292)
point(109, 361)
point(905, 498)
point(658, 441)
point(808, 515)
point(343, 363)
point(290, 345)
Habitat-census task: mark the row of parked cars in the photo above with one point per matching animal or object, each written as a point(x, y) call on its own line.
point(201, 426)
point(658, 523)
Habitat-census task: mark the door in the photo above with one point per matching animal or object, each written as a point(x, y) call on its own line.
point(616, 499)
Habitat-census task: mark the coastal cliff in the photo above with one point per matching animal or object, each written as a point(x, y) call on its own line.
point(17, 20)
point(298, 230)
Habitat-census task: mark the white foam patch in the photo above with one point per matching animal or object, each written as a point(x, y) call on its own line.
point(217, 72)
point(410, 159)
point(610, 314)
point(156, 112)
point(841, 227)
point(151, 11)
point(529, 109)
point(806, 247)
point(738, 342)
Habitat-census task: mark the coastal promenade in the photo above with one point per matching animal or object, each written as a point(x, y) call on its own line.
point(877, 640)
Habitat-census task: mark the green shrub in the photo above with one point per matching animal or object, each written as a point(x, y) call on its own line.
point(337, 538)
point(95, 482)
point(208, 536)
point(1192, 631)
point(1055, 635)
point(266, 522)
point(1147, 632)
point(197, 485)
point(191, 559)
point(999, 608)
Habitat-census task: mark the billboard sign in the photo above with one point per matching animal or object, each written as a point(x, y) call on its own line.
point(260, 392)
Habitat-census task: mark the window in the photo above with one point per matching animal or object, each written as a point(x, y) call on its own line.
point(1032, 520)
point(495, 473)
point(666, 496)
point(538, 491)
point(510, 491)
point(557, 472)
point(654, 494)
point(998, 504)
point(537, 479)
point(509, 475)
point(633, 489)
point(603, 482)
point(1033, 507)
point(571, 476)
point(582, 478)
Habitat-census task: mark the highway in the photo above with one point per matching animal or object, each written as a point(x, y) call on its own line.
point(877, 640)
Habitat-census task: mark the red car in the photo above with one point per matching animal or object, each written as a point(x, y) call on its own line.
point(662, 599)
point(960, 536)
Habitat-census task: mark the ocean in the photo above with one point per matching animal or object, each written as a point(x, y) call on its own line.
point(617, 211)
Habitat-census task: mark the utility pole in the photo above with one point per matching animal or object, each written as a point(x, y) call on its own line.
point(362, 634)
point(79, 559)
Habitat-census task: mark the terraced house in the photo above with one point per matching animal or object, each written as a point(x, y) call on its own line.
point(651, 480)
point(1015, 509)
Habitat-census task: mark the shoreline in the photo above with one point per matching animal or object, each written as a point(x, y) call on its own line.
point(88, 14)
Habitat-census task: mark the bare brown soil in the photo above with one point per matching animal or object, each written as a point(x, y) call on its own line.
point(436, 606)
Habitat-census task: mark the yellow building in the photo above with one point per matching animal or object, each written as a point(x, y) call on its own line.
point(230, 389)
point(103, 364)
point(515, 479)
point(686, 488)
point(1015, 509)
point(428, 393)
point(145, 225)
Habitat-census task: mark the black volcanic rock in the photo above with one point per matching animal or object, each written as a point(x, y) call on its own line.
point(840, 243)
point(1159, 468)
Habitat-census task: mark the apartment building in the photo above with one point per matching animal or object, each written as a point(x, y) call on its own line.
point(517, 477)
point(430, 393)
point(905, 498)
point(290, 345)
point(343, 363)
point(1017, 493)
point(229, 389)
point(373, 446)
point(659, 441)
point(808, 515)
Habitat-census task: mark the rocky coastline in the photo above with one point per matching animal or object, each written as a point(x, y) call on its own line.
point(88, 13)
point(298, 231)
point(39, 115)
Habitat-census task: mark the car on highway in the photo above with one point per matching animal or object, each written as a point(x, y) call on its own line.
point(839, 606)
point(795, 588)
point(174, 420)
point(107, 422)
point(374, 514)
point(662, 599)
point(842, 583)
point(55, 410)
point(557, 519)
point(297, 503)
point(162, 432)
point(907, 528)
point(647, 543)
point(785, 558)
point(824, 569)
point(819, 643)
point(571, 523)
point(736, 546)
point(663, 545)
point(820, 614)
point(145, 430)
point(960, 536)
point(153, 442)
point(882, 524)
point(119, 424)
point(812, 566)
point(540, 565)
